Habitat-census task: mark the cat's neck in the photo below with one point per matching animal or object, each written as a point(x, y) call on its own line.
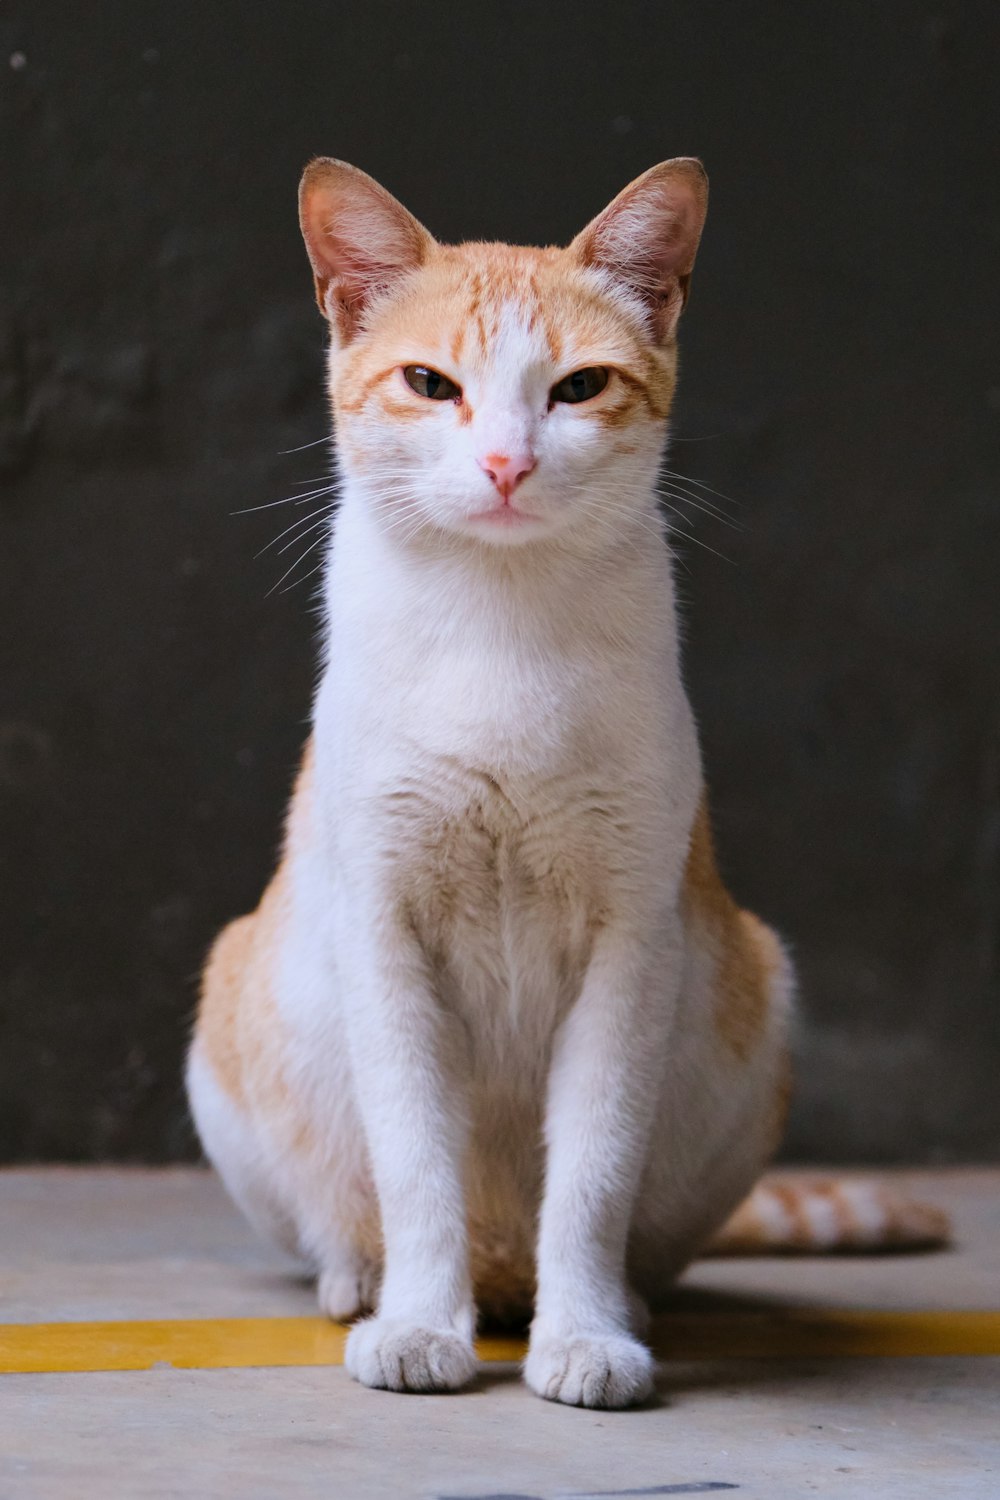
point(561, 589)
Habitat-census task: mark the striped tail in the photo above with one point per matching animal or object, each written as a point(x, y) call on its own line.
point(810, 1216)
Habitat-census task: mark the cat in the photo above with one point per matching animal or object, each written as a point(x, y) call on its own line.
point(497, 1036)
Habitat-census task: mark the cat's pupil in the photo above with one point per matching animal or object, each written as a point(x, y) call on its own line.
point(431, 383)
point(581, 385)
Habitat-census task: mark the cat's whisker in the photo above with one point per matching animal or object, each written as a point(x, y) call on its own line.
point(665, 495)
point(673, 531)
point(701, 505)
point(600, 505)
point(667, 476)
point(268, 505)
point(327, 489)
point(700, 483)
point(305, 578)
point(331, 488)
point(669, 527)
point(302, 522)
point(289, 571)
point(397, 517)
point(326, 438)
point(650, 526)
point(403, 507)
point(324, 520)
point(387, 495)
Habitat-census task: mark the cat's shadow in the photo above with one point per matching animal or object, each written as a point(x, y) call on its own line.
point(686, 1374)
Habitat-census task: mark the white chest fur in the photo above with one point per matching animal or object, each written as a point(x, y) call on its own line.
point(505, 758)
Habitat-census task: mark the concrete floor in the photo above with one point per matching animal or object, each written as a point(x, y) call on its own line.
point(80, 1245)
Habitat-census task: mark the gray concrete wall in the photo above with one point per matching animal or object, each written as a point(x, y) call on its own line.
point(159, 350)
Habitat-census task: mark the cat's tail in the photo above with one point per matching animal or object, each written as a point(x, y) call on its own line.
point(809, 1216)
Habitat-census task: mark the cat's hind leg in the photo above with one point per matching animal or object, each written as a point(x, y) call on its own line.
point(230, 1142)
point(296, 1174)
point(216, 1078)
point(723, 1100)
point(347, 1280)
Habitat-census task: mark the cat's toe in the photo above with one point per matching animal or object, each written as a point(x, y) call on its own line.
point(391, 1354)
point(609, 1370)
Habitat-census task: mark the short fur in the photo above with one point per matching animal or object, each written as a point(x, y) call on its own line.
point(497, 1037)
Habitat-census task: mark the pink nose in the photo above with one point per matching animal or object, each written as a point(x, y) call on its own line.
point(507, 470)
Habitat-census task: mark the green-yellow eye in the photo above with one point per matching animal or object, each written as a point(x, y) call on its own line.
point(581, 385)
point(430, 383)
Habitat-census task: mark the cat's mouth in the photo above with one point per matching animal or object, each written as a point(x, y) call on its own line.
point(503, 515)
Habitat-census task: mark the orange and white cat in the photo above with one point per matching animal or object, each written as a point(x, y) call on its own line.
point(497, 1036)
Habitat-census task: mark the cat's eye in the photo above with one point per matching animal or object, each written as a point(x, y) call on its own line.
point(430, 383)
point(581, 385)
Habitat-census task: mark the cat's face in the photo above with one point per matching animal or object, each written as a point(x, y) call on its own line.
point(494, 392)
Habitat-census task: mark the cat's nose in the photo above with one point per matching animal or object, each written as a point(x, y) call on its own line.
point(507, 469)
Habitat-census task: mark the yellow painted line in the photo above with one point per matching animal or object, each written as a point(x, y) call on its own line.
point(220, 1343)
point(826, 1333)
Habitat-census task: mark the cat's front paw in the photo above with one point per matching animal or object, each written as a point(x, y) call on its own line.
point(346, 1291)
point(605, 1370)
point(391, 1354)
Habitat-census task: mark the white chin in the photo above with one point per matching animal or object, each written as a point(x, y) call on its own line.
point(503, 526)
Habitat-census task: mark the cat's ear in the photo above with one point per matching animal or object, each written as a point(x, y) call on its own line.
point(359, 239)
point(647, 237)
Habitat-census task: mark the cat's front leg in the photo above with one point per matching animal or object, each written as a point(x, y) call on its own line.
point(420, 1339)
point(606, 1073)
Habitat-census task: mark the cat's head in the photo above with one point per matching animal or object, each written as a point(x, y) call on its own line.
point(493, 391)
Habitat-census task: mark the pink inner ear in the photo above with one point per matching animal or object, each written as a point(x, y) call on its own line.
point(648, 236)
point(359, 238)
point(356, 263)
